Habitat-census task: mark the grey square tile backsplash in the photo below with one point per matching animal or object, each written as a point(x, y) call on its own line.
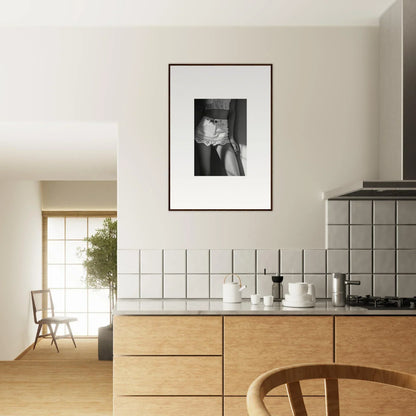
point(381, 250)
point(371, 241)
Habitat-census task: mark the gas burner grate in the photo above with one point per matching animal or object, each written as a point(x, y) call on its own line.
point(375, 302)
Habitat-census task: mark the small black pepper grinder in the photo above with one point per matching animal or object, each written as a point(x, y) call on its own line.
point(277, 288)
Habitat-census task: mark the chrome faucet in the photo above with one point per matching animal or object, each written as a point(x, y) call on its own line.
point(339, 284)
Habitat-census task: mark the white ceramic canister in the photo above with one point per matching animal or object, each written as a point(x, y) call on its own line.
point(231, 291)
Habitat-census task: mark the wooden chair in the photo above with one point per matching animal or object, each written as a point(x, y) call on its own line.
point(330, 373)
point(42, 302)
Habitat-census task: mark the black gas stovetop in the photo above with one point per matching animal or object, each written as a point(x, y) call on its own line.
point(388, 302)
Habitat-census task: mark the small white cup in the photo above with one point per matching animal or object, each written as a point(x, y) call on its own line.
point(268, 300)
point(255, 299)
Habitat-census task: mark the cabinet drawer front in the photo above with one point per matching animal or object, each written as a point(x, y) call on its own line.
point(148, 376)
point(168, 406)
point(236, 406)
point(379, 341)
point(253, 345)
point(167, 335)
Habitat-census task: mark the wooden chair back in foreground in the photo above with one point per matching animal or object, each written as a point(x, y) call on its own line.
point(291, 376)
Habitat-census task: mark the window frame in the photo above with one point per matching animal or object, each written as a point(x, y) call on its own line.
point(73, 214)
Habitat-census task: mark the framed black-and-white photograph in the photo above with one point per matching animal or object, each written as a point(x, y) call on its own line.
point(220, 137)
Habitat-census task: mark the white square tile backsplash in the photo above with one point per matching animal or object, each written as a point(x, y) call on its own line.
point(128, 261)
point(406, 236)
point(365, 287)
point(151, 286)
point(314, 261)
point(221, 261)
point(373, 241)
point(384, 261)
point(198, 261)
point(384, 212)
point(244, 261)
point(406, 212)
point(360, 261)
point(264, 284)
point(267, 261)
point(406, 261)
point(215, 285)
point(406, 285)
point(151, 261)
point(174, 261)
point(128, 286)
point(198, 286)
point(291, 261)
point(360, 212)
point(337, 237)
point(337, 212)
point(360, 236)
point(384, 236)
point(337, 261)
point(174, 286)
point(384, 285)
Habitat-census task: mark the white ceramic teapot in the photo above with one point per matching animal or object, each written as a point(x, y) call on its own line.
point(231, 291)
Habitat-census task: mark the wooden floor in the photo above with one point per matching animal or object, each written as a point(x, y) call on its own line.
point(71, 383)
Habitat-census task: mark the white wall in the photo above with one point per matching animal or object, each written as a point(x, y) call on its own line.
point(325, 117)
point(21, 264)
point(79, 195)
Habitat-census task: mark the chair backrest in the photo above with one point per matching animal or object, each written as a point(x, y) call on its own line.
point(42, 303)
point(330, 373)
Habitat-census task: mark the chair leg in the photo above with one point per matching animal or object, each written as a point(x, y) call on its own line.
point(54, 333)
point(37, 335)
point(53, 337)
point(70, 333)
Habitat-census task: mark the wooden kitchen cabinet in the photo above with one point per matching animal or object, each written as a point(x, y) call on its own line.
point(168, 365)
point(255, 344)
point(176, 376)
point(167, 335)
point(168, 406)
point(203, 365)
point(376, 341)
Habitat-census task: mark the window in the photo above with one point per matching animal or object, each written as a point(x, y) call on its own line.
point(64, 237)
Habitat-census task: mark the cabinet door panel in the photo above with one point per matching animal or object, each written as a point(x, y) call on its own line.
point(253, 345)
point(168, 406)
point(361, 398)
point(236, 406)
point(381, 341)
point(181, 376)
point(167, 335)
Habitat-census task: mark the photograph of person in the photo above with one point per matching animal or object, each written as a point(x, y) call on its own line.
point(220, 137)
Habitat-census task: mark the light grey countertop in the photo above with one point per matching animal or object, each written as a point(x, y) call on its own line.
point(217, 307)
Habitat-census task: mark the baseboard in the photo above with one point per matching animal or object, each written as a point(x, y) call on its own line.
point(24, 352)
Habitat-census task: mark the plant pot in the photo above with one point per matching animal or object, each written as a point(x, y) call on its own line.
point(105, 343)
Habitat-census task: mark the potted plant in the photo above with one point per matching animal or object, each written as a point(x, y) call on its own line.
point(101, 267)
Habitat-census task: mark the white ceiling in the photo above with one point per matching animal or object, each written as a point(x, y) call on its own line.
point(191, 12)
point(58, 151)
